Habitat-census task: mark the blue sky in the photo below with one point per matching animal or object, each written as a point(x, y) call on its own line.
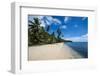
point(73, 28)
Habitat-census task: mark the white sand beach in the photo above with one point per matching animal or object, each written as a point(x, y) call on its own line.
point(52, 51)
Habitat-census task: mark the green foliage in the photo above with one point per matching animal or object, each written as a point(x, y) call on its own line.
point(59, 33)
point(38, 36)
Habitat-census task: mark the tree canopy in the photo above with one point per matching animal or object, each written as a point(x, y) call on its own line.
point(37, 35)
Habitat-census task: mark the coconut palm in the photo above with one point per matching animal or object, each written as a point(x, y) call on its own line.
point(37, 35)
point(59, 33)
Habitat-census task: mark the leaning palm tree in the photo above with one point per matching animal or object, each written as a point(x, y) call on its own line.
point(37, 35)
point(33, 31)
point(59, 33)
point(48, 28)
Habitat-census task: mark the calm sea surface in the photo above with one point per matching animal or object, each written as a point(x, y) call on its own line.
point(80, 47)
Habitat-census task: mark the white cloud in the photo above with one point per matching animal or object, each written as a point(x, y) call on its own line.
point(86, 35)
point(46, 20)
point(41, 17)
point(52, 20)
point(42, 23)
point(31, 18)
point(63, 26)
point(41, 20)
point(66, 19)
point(49, 18)
point(56, 21)
point(84, 18)
point(82, 38)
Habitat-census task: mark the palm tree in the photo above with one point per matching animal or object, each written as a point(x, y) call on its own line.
point(37, 35)
point(59, 33)
point(48, 28)
point(33, 31)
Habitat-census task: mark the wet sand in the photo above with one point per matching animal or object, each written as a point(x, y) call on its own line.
point(51, 52)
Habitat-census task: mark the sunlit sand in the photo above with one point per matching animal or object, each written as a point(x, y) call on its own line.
point(52, 51)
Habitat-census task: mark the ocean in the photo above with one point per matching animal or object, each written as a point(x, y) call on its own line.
point(80, 47)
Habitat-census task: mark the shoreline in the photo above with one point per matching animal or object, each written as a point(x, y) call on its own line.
point(45, 44)
point(51, 52)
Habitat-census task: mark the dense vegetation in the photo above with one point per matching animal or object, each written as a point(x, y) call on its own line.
point(37, 35)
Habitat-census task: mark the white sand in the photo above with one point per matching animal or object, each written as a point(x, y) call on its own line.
point(52, 51)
